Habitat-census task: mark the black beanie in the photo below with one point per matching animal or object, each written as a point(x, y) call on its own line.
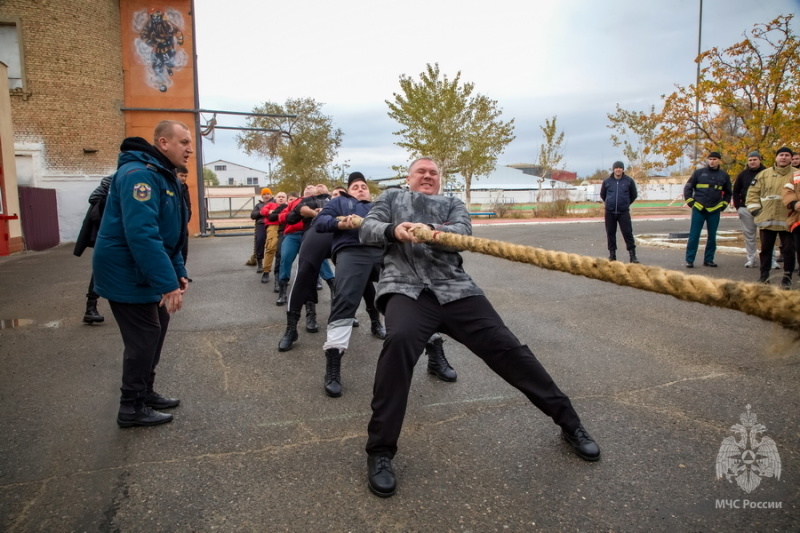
point(618, 164)
point(355, 176)
point(715, 154)
point(784, 149)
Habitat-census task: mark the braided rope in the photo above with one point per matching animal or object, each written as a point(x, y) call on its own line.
point(763, 301)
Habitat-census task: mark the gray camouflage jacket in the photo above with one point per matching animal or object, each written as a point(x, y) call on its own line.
point(411, 268)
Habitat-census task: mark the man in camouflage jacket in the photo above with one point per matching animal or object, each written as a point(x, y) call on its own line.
point(424, 289)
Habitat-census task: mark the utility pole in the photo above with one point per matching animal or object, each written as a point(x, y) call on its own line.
point(697, 83)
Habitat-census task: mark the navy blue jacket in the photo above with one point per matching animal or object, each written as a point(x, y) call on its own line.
point(341, 206)
point(708, 188)
point(137, 256)
point(618, 194)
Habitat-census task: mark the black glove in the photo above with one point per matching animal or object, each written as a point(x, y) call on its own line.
point(756, 212)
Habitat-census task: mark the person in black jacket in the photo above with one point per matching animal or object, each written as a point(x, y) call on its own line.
point(707, 192)
point(743, 181)
point(183, 175)
point(619, 192)
point(87, 238)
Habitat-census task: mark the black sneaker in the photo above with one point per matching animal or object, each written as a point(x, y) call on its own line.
point(381, 476)
point(145, 417)
point(709, 264)
point(156, 401)
point(583, 444)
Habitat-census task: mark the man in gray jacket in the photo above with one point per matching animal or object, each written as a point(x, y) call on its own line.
point(424, 289)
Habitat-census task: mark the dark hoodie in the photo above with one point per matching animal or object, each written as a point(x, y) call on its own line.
point(137, 256)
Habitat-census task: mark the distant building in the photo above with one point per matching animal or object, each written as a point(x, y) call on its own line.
point(233, 175)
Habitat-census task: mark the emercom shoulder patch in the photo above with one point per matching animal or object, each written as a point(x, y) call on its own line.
point(142, 192)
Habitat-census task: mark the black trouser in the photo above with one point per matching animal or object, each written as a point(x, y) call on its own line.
point(143, 328)
point(768, 238)
point(624, 221)
point(90, 294)
point(314, 249)
point(796, 239)
point(473, 322)
point(261, 240)
point(277, 270)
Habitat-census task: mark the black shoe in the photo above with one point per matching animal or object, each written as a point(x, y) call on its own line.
point(92, 316)
point(689, 265)
point(189, 280)
point(333, 372)
point(265, 277)
point(786, 283)
point(437, 362)
point(634, 259)
point(290, 336)
point(311, 317)
point(381, 476)
point(283, 288)
point(156, 401)
point(709, 264)
point(377, 329)
point(764, 279)
point(145, 417)
point(612, 256)
point(583, 444)
point(355, 322)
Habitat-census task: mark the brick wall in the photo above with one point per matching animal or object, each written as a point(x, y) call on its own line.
point(73, 70)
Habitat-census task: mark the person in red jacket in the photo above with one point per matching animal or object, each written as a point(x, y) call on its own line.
point(271, 237)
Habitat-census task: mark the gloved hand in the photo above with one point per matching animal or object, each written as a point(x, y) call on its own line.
point(793, 206)
point(756, 212)
point(690, 202)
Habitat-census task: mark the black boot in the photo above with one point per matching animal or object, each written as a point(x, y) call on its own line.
point(292, 317)
point(260, 265)
point(332, 286)
point(786, 282)
point(612, 256)
point(277, 288)
point(333, 370)
point(92, 316)
point(265, 277)
point(633, 256)
point(437, 362)
point(376, 327)
point(311, 317)
point(282, 288)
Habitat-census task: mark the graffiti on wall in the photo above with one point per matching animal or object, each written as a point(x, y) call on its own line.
point(159, 36)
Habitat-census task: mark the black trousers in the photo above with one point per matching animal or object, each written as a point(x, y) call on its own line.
point(768, 238)
point(261, 240)
point(90, 294)
point(277, 269)
point(314, 249)
point(143, 328)
point(625, 226)
point(473, 322)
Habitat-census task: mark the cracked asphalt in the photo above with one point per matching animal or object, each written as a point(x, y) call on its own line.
point(257, 446)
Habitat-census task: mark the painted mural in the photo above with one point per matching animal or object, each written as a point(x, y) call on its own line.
point(159, 45)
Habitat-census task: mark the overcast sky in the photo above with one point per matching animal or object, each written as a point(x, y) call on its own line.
point(571, 58)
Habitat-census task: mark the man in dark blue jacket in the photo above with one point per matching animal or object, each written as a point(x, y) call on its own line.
point(137, 262)
point(619, 192)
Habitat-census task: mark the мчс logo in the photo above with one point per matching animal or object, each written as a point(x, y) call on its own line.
point(748, 456)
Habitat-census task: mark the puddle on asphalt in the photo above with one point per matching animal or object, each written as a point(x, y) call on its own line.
point(15, 323)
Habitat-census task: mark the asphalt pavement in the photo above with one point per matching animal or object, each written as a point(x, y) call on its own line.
point(257, 446)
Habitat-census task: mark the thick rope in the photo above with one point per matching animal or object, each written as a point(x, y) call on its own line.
point(763, 301)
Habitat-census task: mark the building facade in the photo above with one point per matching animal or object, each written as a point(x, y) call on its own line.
point(233, 175)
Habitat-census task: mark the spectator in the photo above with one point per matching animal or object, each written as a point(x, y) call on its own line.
point(707, 192)
point(138, 264)
point(618, 192)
